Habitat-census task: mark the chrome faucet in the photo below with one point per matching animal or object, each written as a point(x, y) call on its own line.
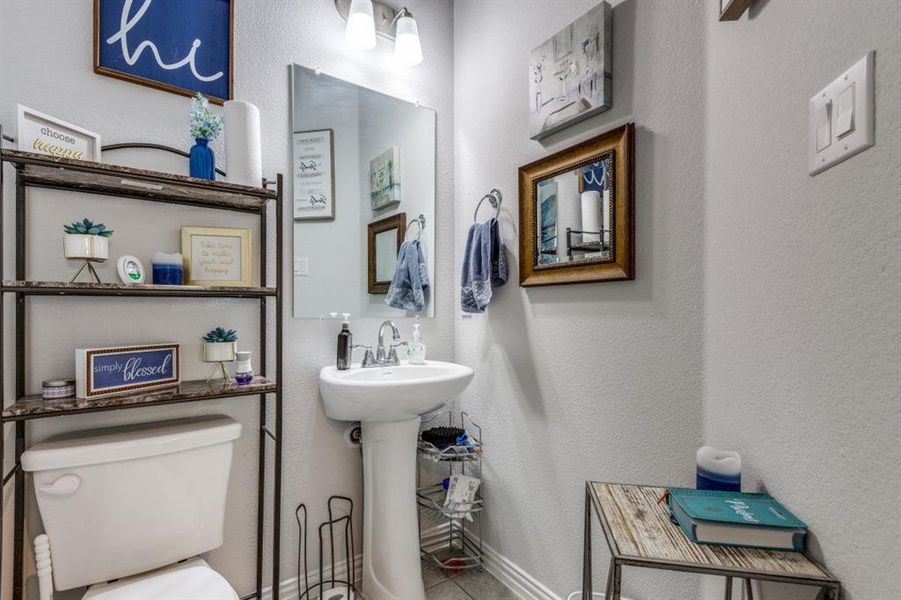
point(387, 356)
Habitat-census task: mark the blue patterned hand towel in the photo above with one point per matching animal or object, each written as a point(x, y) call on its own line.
point(411, 278)
point(484, 266)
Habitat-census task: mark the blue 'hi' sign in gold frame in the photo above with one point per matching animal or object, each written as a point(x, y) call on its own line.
point(181, 46)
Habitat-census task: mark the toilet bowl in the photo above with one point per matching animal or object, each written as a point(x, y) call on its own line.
point(128, 510)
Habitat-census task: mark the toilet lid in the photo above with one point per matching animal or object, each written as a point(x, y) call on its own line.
point(191, 580)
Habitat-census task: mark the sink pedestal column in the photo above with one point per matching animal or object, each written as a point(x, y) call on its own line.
point(391, 561)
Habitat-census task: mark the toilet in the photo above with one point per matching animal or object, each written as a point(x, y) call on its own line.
point(128, 510)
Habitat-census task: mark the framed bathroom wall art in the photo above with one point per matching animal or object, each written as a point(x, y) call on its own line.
point(43, 134)
point(385, 179)
point(314, 175)
point(571, 74)
point(118, 370)
point(183, 47)
point(217, 256)
point(732, 10)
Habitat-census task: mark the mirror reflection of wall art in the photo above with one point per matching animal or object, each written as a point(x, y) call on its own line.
point(547, 212)
point(385, 239)
point(314, 175)
point(587, 233)
point(217, 256)
point(570, 75)
point(385, 179)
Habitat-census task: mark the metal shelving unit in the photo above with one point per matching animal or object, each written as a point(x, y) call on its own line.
point(463, 549)
point(40, 171)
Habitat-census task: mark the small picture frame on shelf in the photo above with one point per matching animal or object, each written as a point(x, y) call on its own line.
point(217, 256)
point(130, 269)
point(44, 134)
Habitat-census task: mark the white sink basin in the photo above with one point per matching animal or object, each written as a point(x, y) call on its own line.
point(389, 402)
point(391, 393)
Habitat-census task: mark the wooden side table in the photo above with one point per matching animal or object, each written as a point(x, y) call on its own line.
point(640, 534)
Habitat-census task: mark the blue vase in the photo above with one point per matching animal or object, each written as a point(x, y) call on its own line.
point(202, 160)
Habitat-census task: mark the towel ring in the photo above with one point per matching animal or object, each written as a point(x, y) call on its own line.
point(494, 198)
point(420, 220)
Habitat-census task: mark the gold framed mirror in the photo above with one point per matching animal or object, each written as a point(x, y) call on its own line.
point(576, 213)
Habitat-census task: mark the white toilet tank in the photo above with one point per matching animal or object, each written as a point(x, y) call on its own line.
point(121, 501)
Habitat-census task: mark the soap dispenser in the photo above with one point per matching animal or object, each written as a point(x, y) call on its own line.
point(345, 344)
point(416, 350)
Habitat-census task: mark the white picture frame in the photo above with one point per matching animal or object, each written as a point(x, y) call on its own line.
point(314, 174)
point(44, 134)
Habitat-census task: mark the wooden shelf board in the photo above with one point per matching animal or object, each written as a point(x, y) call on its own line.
point(35, 407)
point(38, 170)
point(61, 288)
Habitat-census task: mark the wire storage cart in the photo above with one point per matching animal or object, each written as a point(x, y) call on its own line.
point(461, 545)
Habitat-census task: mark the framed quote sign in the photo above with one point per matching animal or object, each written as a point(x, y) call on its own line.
point(123, 369)
point(314, 175)
point(217, 256)
point(182, 47)
point(43, 134)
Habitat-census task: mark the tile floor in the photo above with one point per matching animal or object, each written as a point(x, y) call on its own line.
point(466, 585)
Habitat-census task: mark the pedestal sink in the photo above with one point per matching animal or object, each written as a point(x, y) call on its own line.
point(389, 402)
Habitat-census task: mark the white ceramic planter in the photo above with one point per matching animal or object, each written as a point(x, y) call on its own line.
point(93, 247)
point(219, 351)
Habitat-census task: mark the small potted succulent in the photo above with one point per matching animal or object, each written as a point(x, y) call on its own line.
point(205, 127)
point(220, 345)
point(86, 240)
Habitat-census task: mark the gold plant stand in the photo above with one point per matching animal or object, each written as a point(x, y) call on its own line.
point(92, 273)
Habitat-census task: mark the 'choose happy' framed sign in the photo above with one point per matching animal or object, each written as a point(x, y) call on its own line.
point(181, 46)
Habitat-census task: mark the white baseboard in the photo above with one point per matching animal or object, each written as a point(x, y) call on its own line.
point(502, 568)
point(289, 589)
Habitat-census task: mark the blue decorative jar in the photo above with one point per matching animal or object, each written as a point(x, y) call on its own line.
point(202, 160)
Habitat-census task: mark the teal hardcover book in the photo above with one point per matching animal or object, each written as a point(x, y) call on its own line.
point(736, 519)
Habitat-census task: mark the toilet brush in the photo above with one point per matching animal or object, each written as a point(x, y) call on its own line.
point(43, 566)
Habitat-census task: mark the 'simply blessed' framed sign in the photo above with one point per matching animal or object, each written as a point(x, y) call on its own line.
point(314, 175)
point(119, 370)
point(217, 256)
point(182, 46)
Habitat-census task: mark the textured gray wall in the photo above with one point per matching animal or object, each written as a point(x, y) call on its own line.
point(802, 280)
point(598, 381)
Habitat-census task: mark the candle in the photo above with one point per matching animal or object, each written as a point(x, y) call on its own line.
point(718, 469)
point(167, 269)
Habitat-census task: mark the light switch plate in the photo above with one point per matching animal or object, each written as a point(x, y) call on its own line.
point(849, 133)
point(301, 266)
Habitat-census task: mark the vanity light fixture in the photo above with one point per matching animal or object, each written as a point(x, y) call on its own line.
point(360, 31)
point(366, 18)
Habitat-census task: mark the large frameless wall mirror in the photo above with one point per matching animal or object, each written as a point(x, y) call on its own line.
point(363, 177)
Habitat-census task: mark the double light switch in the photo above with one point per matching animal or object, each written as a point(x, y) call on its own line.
point(841, 117)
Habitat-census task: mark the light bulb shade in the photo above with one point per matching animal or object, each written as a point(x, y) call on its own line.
point(360, 31)
point(407, 47)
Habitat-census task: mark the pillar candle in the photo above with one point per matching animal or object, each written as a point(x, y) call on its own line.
point(718, 469)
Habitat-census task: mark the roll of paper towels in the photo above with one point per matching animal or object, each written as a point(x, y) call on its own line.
point(243, 154)
point(591, 215)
